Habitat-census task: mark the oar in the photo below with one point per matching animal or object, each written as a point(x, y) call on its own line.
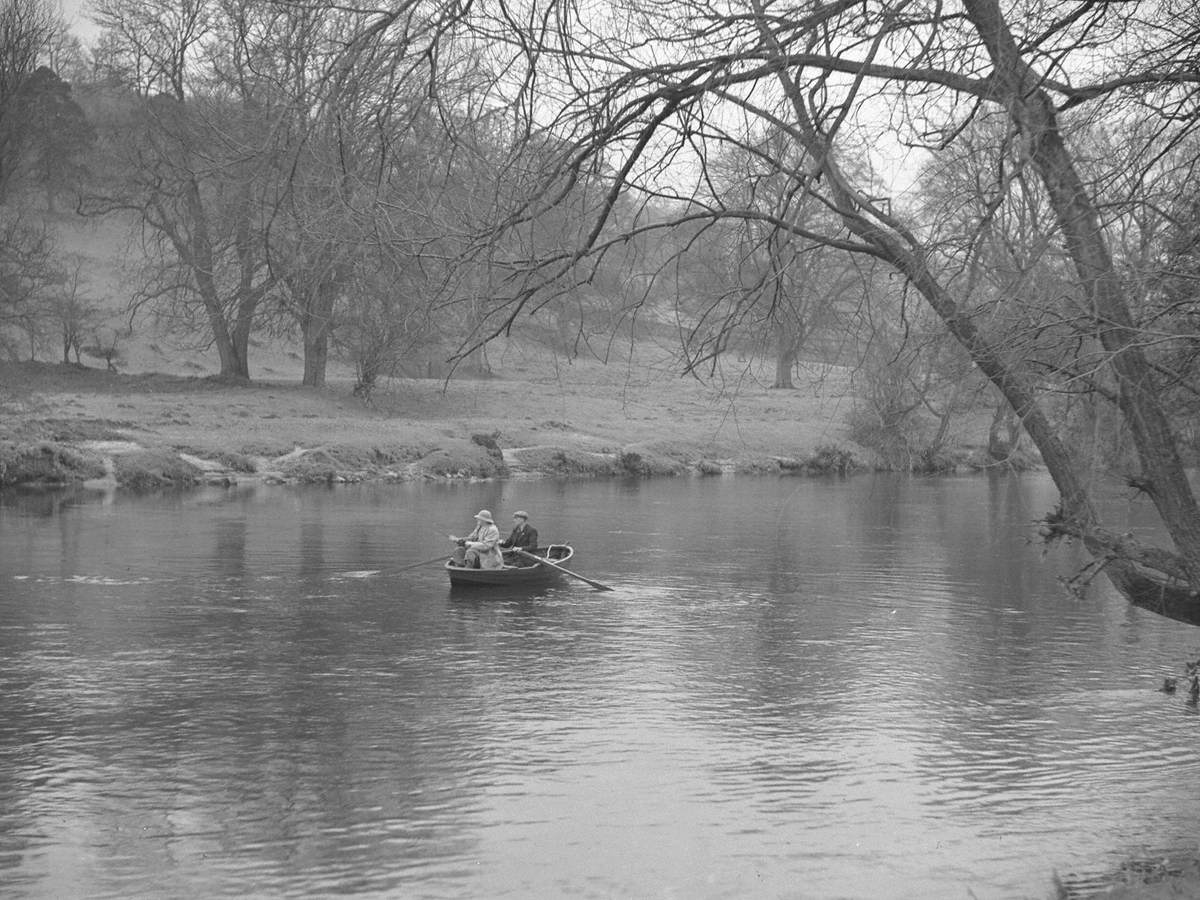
point(370, 573)
point(424, 562)
point(541, 559)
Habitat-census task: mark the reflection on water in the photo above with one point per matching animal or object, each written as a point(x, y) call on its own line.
point(864, 688)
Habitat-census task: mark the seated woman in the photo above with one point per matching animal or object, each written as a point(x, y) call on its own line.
point(481, 548)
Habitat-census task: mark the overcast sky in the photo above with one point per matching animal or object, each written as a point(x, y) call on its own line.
point(75, 12)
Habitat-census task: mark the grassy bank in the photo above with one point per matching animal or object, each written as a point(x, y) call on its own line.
point(536, 416)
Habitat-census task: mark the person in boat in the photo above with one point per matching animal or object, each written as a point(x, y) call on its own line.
point(523, 537)
point(481, 548)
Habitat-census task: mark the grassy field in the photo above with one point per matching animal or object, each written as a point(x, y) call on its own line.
point(536, 415)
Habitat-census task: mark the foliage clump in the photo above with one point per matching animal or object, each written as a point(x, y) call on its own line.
point(757, 465)
point(489, 443)
point(563, 462)
point(311, 468)
point(462, 460)
point(148, 469)
point(931, 459)
point(45, 463)
point(644, 463)
point(830, 459)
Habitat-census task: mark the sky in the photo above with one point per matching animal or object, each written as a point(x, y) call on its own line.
point(75, 12)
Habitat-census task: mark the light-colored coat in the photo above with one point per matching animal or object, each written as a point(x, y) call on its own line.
point(485, 540)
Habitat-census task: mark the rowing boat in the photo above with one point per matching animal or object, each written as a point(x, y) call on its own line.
point(510, 575)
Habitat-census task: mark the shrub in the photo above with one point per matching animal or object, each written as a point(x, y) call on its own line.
point(463, 460)
point(488, 442)
point(832, 460)
point(46, 463)
point(145, 469)
point(646, 464)
point(568, 463)
point(311, 469)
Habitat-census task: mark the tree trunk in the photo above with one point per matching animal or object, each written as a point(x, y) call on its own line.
point(241, 346)
point(1173, 587)
point(1034, 114)
point(233, 359)
point(316, 354)
point(1018, 385)
point(787, 349)
point(316, 325)
point(198, 255)
point(1004, 434)
point(232, 347)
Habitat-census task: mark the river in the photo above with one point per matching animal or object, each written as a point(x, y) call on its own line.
point(874, 687)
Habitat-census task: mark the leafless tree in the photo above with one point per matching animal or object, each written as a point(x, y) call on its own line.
point(273, 144)
point(648, 93)
point(28, 276)
point(70, 312)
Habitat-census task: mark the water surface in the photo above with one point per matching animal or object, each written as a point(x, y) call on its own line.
point(798, 688)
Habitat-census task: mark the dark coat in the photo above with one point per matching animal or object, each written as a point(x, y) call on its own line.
point(524, 537)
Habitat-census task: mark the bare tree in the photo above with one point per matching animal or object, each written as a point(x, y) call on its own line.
point(28, 276)
point(188, 174)
point(188, 164)
point(71, 312)
point(350, 89)
point(151, 46)
point(650, 93)
point(273, 172)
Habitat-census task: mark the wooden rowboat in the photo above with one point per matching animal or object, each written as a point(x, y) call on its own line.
point(510, 575)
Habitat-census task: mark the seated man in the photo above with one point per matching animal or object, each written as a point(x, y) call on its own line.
point(523, 537)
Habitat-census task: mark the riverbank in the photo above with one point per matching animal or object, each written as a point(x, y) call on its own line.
point(66, 424)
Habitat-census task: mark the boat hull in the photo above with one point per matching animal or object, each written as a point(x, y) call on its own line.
point(512, 576)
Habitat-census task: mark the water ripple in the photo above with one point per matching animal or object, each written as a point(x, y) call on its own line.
point(893, 697)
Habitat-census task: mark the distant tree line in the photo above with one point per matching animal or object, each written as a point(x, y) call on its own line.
point(363, 183)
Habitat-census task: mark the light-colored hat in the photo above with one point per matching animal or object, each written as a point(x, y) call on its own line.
point(485, 516)
point(521, 513)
